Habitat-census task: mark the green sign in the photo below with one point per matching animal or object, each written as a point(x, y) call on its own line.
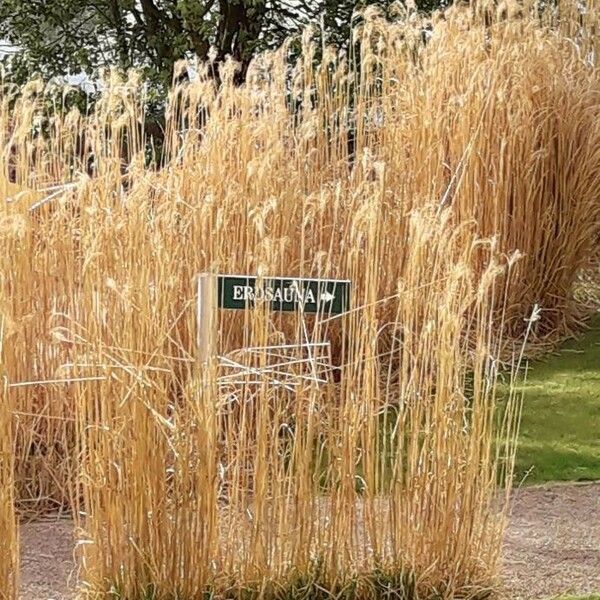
point(288, 294)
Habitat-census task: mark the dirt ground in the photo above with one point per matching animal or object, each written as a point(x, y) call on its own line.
point(47, 563)
point(552, 544)
point(552, 547)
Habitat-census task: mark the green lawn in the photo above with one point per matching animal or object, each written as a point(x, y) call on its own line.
point(593, 597)
point(560, 428)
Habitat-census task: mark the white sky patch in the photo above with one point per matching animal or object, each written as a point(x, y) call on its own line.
point(7, 48)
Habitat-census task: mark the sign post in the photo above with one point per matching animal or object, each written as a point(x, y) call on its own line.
point(206, 316)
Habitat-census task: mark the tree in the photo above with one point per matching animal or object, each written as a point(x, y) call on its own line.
point(61, 37)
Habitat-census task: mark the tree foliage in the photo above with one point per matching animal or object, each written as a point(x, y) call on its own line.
point(60, 37)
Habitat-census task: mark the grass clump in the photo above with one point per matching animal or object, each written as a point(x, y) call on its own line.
point(418, 168)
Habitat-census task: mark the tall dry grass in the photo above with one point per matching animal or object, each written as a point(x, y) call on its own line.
point(9, 544)
point(261, 477)
point(364, 464)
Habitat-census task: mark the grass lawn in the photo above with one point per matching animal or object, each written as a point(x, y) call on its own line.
point(593, 597)
point(560, 428)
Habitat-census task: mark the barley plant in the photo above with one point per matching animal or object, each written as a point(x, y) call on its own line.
point(449, 167)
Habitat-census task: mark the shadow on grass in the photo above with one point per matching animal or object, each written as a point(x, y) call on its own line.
point(560, 439)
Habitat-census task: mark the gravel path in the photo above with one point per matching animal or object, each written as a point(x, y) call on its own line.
point(552, 547)
point(47, 564)
point(552, 544)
